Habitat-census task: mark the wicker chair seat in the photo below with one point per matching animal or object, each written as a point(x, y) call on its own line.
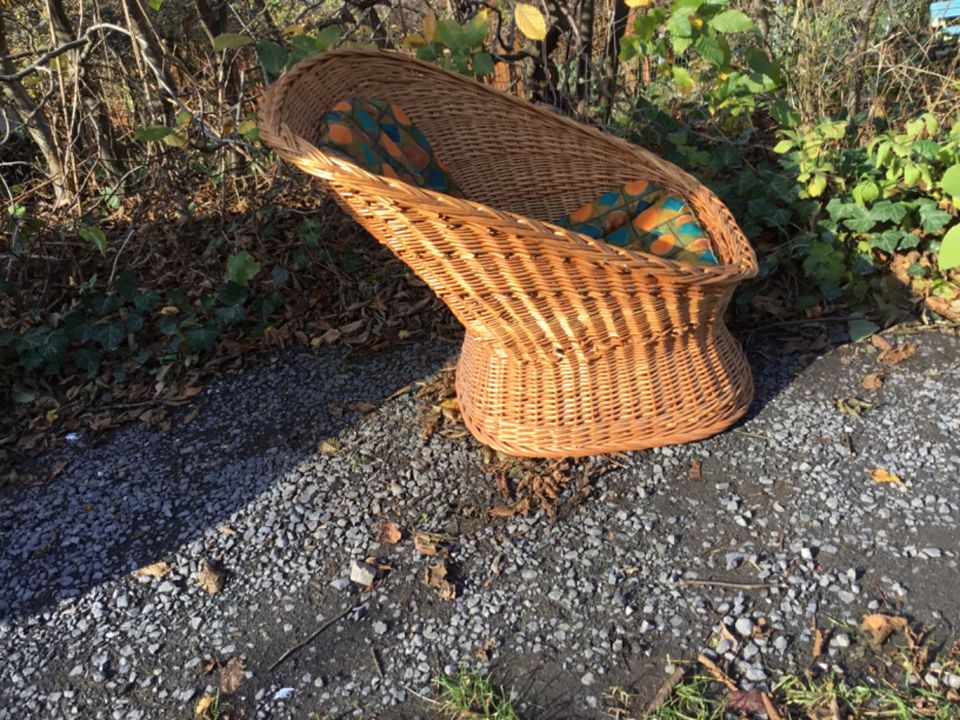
point(573, 346)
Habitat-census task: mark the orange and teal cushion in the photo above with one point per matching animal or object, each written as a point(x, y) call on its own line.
point(378, 136)
point(646, 217)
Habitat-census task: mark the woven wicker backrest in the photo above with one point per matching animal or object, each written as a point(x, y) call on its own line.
point(529, 287)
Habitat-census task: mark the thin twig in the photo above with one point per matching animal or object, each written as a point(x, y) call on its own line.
point(376, 662)
point(697, 582)
point(665, 691)
point(717, 674)
point(298, 646)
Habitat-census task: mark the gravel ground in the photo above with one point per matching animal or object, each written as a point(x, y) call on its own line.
point(559, 610)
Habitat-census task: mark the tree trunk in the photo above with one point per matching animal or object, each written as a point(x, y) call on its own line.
point(35, 122)
point(611, 57)
point(543, 79)
point(149, 45)
point(88, 87)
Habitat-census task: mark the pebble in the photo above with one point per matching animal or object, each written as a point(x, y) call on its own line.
point(362, 573)
point(744, 626)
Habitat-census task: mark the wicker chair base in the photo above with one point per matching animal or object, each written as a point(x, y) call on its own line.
point(555, 409)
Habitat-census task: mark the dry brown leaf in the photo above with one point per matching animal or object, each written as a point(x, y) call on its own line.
point(58, 468)
point(390, 533)
point(696, 470)
point(746, 702)
point(435, 575)
point(203, 705)
point(154, 570)
point(227, 530)
point(898, 354)
point(819, 640)
point(946, 308)
point(231, 676)
point(427, 543)
point(210, 578)
point(879, 627)
point(873, 381)
point(880, 342)
point(521, 507)
point(884, 476)
point(483, 652)
point(448, 591)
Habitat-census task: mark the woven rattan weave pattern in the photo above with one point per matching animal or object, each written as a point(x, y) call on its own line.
point(573, 347)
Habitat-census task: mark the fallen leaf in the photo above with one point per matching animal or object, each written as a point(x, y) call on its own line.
point(880, 343)
point(819, 639)
point(434, 575)
point(696, 470)
point(897, 354)
point(210, 579)
point(483, 652)
point(879, 627)
point(427, 543)
point(231, 676)
point(227, 530)
point(203, 705)
point(884, 476)
point(521, 507)
point(329, 446)
point(746, 702)
point(154, 570)
point(873, 381)
point(942, 306)
point(448, 591)
point(853, 407)
point(390, 533)
point(58, 468)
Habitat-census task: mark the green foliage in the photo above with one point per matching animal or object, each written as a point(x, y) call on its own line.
point(455, 46)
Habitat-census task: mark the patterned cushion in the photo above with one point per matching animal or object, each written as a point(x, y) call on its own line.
point(644, 216)
point(379, 137)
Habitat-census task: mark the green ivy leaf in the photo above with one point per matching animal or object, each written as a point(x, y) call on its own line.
point(279, 275)
point(155, 5)
point(88, 359)
point(932, 218)
point(887, 241)
point(731, 21)
point(950, 181)
point(862, 329)
point(886, 211)
point(230, 315)
point(273, 57)
point(109, 335)
point(95, 236)
point(126, 284)
point(949, 256)
point(229, 41)
point(241, 268)
point(202, 339)
point(22, 396)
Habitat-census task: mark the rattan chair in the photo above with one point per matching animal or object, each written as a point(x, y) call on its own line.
point(573, 346)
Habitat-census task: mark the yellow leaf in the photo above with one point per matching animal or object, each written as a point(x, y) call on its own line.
point(155, 570)
point(329, 446)
point(294, 29)
point(530, 21)
point(885, 476)
point(639, 3)
point(430, 27)
point(203, 704)
point(52, 415)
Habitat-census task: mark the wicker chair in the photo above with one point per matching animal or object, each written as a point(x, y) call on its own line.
point(573, 346)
